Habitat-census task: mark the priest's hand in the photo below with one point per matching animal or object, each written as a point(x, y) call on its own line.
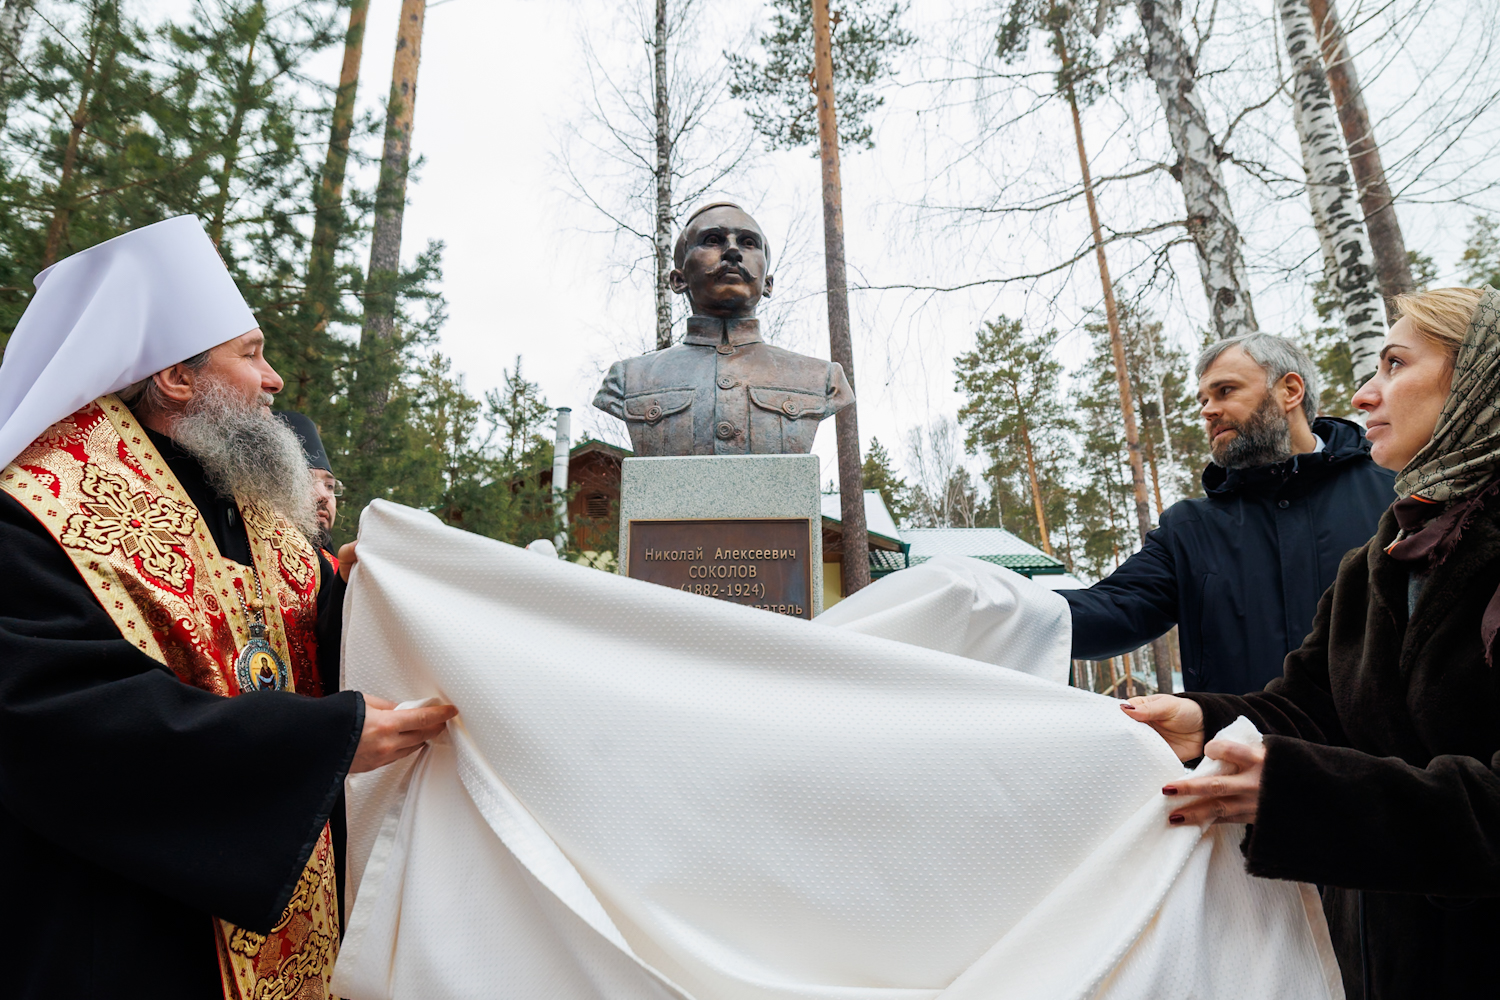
point(1179, 721)
point(390, 734)
point(347, 558)
point(1228, 797)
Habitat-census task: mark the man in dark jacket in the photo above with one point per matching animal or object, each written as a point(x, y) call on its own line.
point(1241, 569)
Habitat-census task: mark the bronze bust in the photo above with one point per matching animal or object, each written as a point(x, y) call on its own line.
point(722, 391)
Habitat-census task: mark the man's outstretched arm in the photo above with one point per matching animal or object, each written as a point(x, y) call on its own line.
point(1127, 609)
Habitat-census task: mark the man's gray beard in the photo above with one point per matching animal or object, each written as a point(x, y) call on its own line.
point(1264, 439)
point(247, 454)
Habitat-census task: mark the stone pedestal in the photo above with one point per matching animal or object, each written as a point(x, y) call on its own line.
point(742, 528)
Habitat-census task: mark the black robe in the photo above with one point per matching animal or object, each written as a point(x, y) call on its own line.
point(133, 806)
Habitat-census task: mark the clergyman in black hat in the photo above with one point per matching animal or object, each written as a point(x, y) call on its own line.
point(326, 488)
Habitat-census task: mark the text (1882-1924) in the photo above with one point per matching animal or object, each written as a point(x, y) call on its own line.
point(764, 563)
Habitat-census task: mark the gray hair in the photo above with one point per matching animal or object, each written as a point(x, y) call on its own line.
point(145, 395)
point(1277, 357)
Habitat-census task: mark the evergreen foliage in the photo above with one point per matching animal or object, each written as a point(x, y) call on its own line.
point(1015, 389)
point(1070, 33)
point(867, 35)
point(113, 123)
point(1016, 417)
point(880, 475)
point(1481, 257)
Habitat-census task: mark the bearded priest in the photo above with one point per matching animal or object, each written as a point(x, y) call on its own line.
point(167, 765)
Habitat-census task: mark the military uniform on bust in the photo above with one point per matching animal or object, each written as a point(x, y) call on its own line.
point(723, 391)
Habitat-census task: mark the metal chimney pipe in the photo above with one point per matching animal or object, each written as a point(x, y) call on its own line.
point(560, 472)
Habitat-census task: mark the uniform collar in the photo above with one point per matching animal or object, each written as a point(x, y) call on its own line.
point(711, 331)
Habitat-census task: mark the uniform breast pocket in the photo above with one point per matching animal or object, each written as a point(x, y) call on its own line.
point(661, 421)
point(785, 420)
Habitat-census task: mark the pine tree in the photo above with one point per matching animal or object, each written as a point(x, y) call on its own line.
point(1013, 409)
point(843, 66)
point(880, 475)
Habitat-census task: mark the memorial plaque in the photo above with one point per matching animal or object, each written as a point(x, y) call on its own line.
point(762, 562)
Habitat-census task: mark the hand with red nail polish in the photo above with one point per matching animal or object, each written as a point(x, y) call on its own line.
point(1231, 796)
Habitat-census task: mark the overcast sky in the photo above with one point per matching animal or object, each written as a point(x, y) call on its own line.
point(529, 272)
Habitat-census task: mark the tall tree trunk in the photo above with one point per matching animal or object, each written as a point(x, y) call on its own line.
point(1210, 219)
point(1330, 186)
point(328, 201)
point(67, 179)
point(1150, 450)
point(14, 18)
point(663, 236)
point(241, 98)
point(856, 543)
point(1319, 216)
point(1036, 487)
point(1391, 262)
point(390, 194)
point(1116, 340)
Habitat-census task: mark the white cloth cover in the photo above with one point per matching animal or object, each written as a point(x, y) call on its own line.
point(107, 317)
point(649, 794)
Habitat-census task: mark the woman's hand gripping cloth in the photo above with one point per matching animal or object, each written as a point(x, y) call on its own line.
point(650, 794)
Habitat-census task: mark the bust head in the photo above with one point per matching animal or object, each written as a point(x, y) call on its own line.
point(721, 262)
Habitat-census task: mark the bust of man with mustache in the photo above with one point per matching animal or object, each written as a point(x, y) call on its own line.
point(723, 391)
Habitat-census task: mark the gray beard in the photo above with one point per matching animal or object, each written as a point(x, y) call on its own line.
point(247, 454)
point(1264, 439)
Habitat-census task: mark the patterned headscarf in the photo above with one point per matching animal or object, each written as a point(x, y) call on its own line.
point(1454, 476)
point(1464, 453)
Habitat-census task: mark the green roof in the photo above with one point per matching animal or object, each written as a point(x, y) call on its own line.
point(1028, 565)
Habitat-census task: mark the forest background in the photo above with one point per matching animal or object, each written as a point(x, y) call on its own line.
point(528, 228)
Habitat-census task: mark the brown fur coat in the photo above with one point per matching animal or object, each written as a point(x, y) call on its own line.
point(1382, 773)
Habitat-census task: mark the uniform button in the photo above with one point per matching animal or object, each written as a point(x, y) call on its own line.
point(725, 430)
point(725, 349)
point(789, 408)
point(726, 382)
point(653, 412)
point(1284, 504)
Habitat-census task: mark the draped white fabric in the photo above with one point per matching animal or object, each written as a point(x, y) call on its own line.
point(650, 794)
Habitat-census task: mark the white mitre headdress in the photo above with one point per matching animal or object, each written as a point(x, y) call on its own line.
point(109, 316)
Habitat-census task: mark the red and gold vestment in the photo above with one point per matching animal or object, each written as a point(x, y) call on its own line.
point(95, 481)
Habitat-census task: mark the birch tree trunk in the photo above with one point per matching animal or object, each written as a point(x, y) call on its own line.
point(856, 546)
point(328, 202)
point(390, 194)
point(663, 233)
point(1330, 187)
point(1210, 219)
point(1391, 262)
point(1319, 216)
